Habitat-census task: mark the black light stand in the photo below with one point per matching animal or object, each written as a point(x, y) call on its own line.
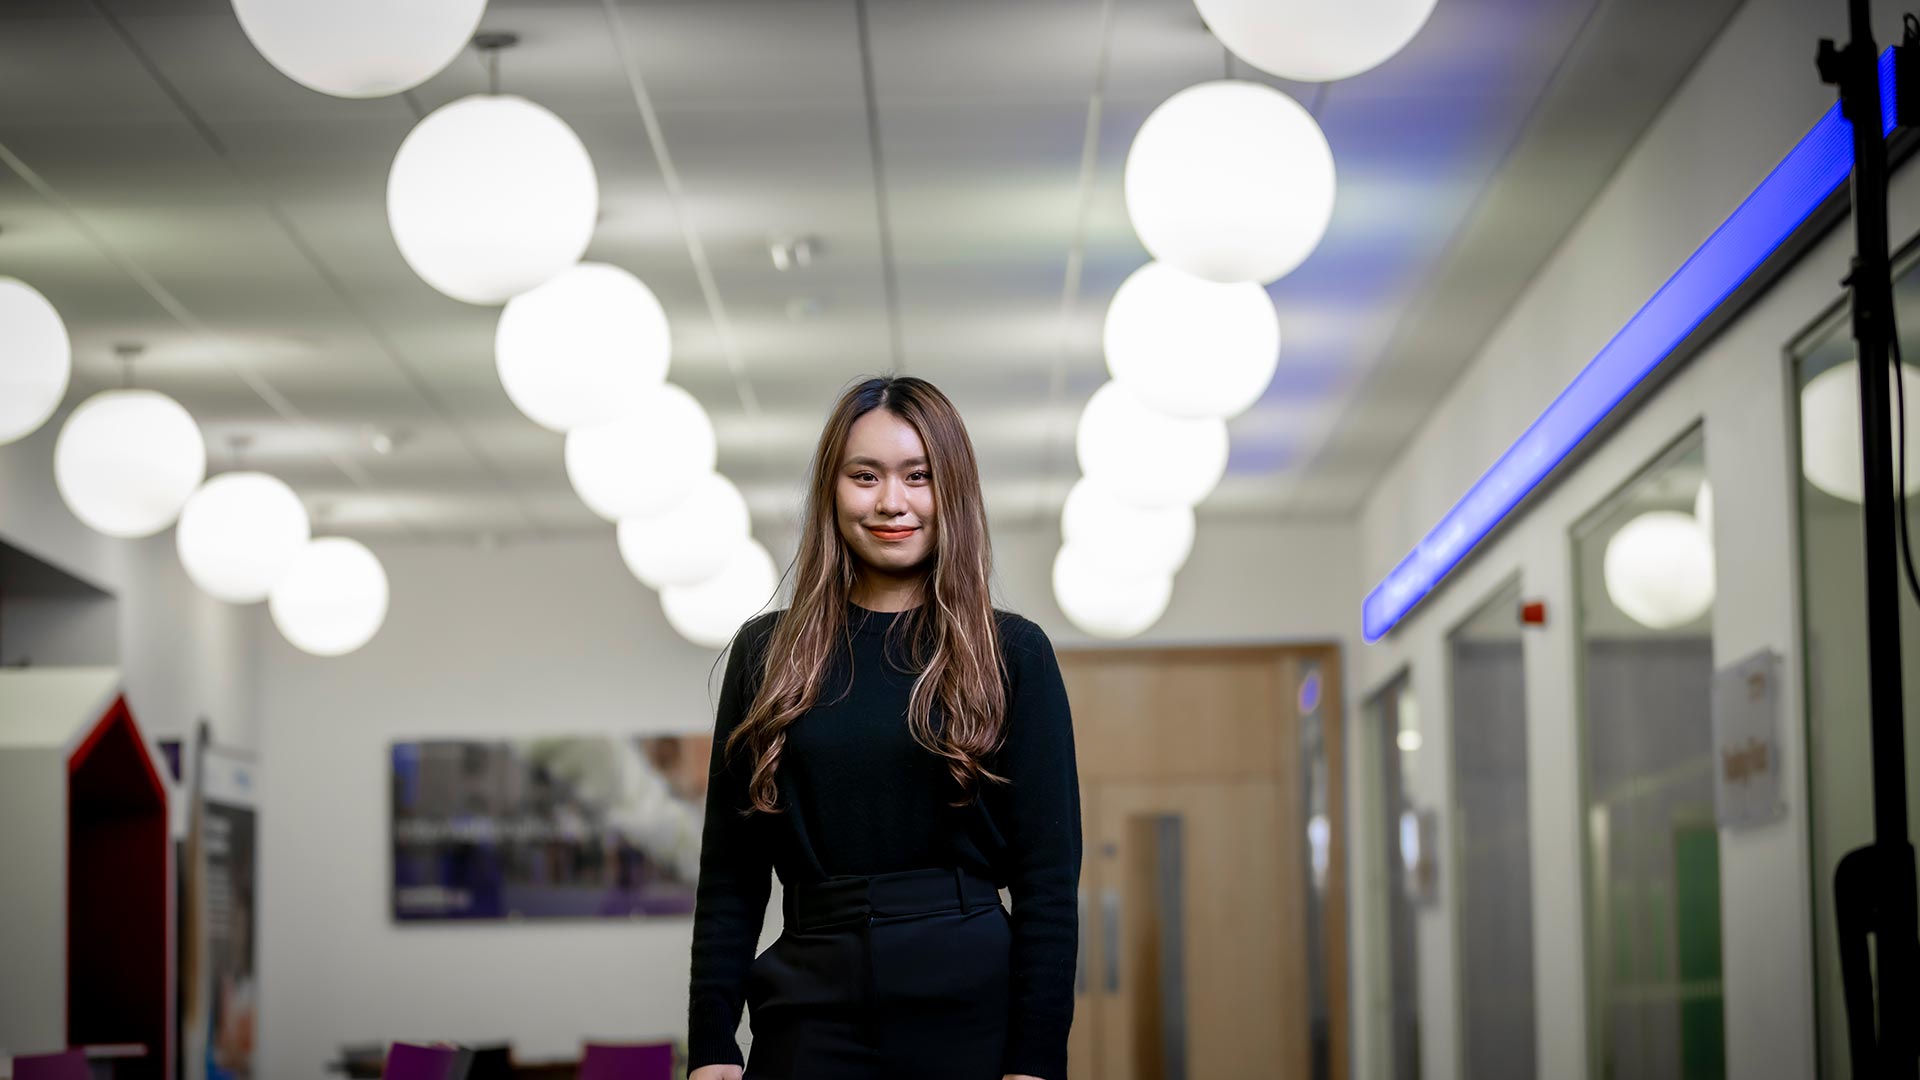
point(1874, 885)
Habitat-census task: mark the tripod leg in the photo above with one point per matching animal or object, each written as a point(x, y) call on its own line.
point(1853, 903)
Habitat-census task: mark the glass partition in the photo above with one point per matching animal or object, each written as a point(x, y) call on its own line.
point(1834, 607)
point(1495, 898)
point(1396, 734)
point(1645, 574)
point(1325, 945)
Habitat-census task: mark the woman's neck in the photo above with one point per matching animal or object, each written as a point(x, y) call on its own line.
point(877, 593)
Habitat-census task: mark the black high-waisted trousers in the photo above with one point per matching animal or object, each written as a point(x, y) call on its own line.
point(894, 975)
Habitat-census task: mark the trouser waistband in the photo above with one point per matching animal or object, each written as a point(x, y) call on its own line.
point(908, 892)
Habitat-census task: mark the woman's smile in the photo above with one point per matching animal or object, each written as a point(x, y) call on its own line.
point(893, 534)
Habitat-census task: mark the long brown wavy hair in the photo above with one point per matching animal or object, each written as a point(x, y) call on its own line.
point(951, 637)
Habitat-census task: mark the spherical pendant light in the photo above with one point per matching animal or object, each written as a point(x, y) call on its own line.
point(1146, 457)
point(491, 196)
point(579, 349)
point(1830, 449)
point(36, 359)
point(1314, 40)
point(239, 534)
point(1125, 538)
point(1105, 604)
point(359, 48)
point(126, 461)
point(1659, 569)
point(645, 461)
point(690, 541)
point(1191, 347)
point(333, 598)
point(1230, 181)
point(709, 613)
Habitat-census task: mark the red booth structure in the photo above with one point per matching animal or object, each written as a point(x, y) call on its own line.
point(86, 874)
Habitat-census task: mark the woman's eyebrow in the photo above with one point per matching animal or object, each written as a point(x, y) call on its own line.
point(871, 463)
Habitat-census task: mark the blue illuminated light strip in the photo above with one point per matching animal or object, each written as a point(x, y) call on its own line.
point(1817, 166)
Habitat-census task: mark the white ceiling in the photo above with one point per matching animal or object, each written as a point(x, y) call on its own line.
point(163, 185)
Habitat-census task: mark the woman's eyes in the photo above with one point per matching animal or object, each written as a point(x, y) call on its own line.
point(867, 477)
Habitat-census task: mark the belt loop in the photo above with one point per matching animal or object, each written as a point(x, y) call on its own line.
point(960, 890)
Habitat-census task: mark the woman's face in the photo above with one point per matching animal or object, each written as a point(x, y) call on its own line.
point(884, 493)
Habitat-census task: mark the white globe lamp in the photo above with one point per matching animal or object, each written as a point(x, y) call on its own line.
point(126, 461)
point(690, 541)
point(709, 613)
point(1146, 457)
point(579, 349)
point(1103, 604)
point(1315, 40)
point(1127, 540)
point(1230, 181)
point(1659, 569)
point(239, 534)
point(1191, 347)
point(333, 598)
point(36, 359)
point(645, 461)
point(359, 48)
point(490, 196)
point(1830, 448)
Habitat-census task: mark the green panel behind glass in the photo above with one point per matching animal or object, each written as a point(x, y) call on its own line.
point(1696, 852)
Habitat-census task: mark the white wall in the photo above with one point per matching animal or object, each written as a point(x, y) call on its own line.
point(1246, 581)
point(519, 641)
point(556, 637)
point(1753, 95)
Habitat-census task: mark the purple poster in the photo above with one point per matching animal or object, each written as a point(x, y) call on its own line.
point(593, 826)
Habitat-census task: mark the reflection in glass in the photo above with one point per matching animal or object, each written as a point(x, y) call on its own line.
point(1489, 721)
point(1834, 605)
point(1315, 799)
point(1392, 715)
point(1653, 904)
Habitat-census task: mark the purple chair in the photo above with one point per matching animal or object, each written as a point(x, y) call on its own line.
point(65, 1065)
point(641, 1061)
point(408, 1062)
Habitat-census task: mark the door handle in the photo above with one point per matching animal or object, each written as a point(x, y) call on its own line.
point(1110, 932)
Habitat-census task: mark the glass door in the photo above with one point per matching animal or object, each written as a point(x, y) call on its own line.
point(1495, 898)
point(1396, 731)
point(1645, 567)
point(1834, 607)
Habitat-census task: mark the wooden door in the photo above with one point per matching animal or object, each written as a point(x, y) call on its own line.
point(1193, 987)
point(1195, 883)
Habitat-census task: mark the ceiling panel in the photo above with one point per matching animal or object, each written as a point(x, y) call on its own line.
point(165, 186)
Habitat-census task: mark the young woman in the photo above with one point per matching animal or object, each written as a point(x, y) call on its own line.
point(895, 750)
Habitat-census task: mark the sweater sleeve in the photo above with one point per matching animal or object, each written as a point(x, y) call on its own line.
point(730, 902)
point(1039, 815)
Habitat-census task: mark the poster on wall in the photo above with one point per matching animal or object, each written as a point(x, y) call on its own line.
point(598, 826)
point(217, 932)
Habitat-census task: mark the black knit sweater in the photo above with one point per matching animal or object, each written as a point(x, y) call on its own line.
point(873, 801)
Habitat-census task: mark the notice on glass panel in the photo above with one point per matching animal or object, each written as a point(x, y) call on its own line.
point(1746, 742)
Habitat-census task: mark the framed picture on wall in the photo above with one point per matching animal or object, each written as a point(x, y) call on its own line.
point(597, 826)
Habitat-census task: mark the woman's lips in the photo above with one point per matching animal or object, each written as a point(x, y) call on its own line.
point(891, 534)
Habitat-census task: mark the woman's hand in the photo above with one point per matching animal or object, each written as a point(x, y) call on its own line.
point(1008, 1076)
point(716, 1072)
